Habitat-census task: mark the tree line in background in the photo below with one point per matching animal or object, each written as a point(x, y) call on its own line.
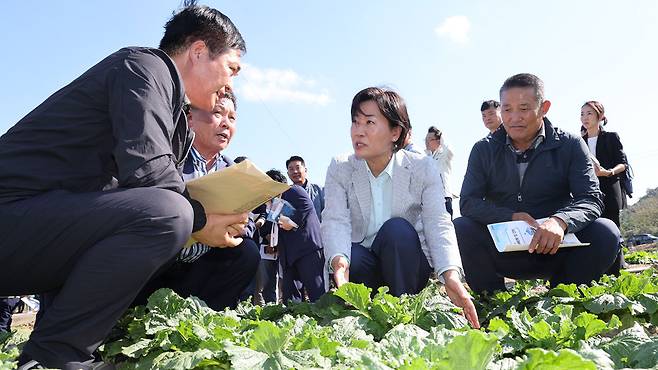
point(641, 217)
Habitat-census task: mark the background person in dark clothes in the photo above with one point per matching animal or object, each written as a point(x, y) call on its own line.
point(609, 162)
point(7, 306)
point(95, 169)
point(256, 218)
point(526, 170)
point(216, 275)
point(298, 174)
point(268, 282)
point(490, 110)
point(300, 249)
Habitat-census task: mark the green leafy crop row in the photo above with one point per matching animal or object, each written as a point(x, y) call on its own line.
point(608, 325)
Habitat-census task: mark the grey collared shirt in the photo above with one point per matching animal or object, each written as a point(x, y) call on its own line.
point(523, 157)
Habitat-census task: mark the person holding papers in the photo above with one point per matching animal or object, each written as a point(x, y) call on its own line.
point(91, 197)
point(216, 275)
point(385, 222)
point(300, 248)
point(528, 170)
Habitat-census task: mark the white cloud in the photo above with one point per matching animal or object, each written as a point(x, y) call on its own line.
point(279, 85)
point(455, 28)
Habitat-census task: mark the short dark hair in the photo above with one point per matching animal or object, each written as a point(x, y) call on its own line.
point(392, 106)
point(295, 158)
point(435, 131)
point(277, 176)
point(525, 80)
point(199, 22)
point(240, 159)
point(489, 104)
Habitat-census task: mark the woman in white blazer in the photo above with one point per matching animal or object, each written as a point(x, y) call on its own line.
point(385, 222)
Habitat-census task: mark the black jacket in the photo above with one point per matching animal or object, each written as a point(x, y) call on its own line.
point(609, 153)
point(120, 124)
point(559, 181)
point(307, 237)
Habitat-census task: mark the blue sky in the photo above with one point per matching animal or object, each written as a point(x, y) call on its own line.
point(306, 60)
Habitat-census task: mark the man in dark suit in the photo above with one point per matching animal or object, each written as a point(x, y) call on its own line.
point(300, 253)
point(91, 197)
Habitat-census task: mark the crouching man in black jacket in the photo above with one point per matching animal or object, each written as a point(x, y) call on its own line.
point(92, 202)
point(529, 170)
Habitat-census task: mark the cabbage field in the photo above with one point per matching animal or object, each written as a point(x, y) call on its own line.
point(608, 325)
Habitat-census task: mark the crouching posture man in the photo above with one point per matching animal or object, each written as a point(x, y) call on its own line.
point(92, 202)
point(527, 170)
point(216, 275)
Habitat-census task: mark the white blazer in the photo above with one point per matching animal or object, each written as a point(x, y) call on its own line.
point(418, 197)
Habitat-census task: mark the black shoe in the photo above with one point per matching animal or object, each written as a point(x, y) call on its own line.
point(25, 362)
point(100, 365)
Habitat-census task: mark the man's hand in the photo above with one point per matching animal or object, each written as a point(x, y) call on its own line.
point(522, 216)
point(460, 297)
point(548, 237)
point(341, 270)
point(222, 230)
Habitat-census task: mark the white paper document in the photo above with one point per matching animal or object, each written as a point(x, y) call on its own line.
point(515, 236)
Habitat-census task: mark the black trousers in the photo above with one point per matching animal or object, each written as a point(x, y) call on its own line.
point(218, 277)
point(613, 201)
point(7, 306)
point(306, 273)
point(485, 267)
point(92, 253)
point(395, 259)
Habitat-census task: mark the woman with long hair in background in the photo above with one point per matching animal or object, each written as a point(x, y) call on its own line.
point(609, 160)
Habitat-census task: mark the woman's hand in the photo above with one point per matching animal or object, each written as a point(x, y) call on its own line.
point(601, 172)
point(286, 223)
point(341, 270)
point(460, 297)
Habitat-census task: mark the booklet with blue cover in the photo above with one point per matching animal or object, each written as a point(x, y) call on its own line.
point(280, 207)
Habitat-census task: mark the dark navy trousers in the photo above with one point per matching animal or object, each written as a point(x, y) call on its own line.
point(305, 274)
point(219, 277)
point(395, 259)
point(7, 306)
point(485, 267)
point(92, 253)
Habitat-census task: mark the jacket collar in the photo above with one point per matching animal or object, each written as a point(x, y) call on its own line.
point(400, 183)
point(552, 136)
